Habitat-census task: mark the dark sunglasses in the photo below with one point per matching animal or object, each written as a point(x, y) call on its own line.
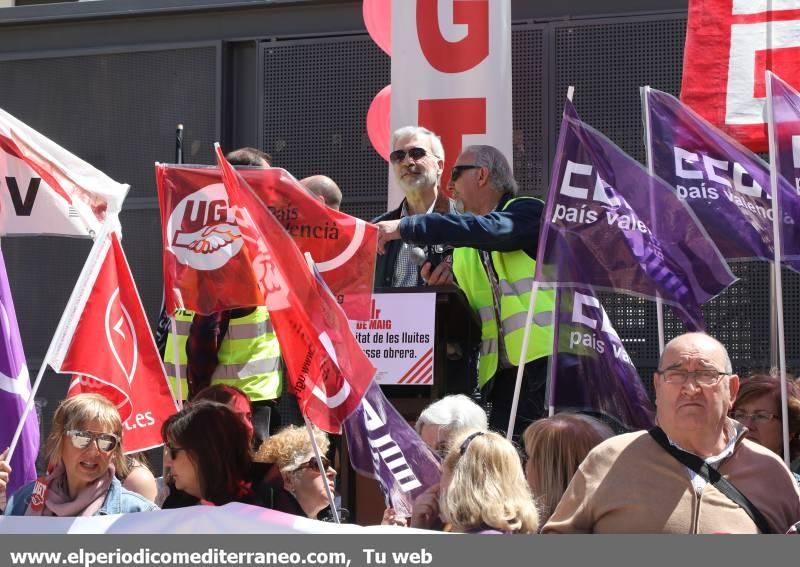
point(414, 153)
point(313, 465)
point(173, 451)
point(457, 170)
point(80, 439)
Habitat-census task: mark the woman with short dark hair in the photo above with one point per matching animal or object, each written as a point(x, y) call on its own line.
point(207, 450)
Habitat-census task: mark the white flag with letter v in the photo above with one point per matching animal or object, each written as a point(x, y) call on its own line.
point(44, 189)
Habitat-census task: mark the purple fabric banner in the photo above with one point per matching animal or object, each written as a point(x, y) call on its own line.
point(611, 225)
point(726, 185)
point(593, 370)
point(14, 392)
point(786, 110)
point(382, 445)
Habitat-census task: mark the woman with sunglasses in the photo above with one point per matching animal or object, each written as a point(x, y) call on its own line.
point(758, 407)
point(84, 453)
point(207, 450)
point(483, 488)
point(298, 485)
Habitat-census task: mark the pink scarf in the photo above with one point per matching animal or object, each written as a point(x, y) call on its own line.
point(86, 503)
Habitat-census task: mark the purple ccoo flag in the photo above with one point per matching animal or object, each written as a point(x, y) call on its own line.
point(383, 446)
point(786, 112)
point(14, 392)
point(611, 225)
point(726, 185)
point(592, 369)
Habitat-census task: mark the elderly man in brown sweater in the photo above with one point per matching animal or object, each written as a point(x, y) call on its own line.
point(635, 484)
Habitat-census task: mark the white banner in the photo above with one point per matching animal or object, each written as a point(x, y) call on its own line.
point(232, 518)
point(44, 189)
point(451, 73)
point(398, 338)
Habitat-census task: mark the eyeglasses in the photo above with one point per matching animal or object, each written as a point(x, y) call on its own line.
point(313, 465)
point(755, 417)
point(467, 441)
point(705, 377)
point(80, 438)
point(414, 153)
point(173, 451)
point(457, 170)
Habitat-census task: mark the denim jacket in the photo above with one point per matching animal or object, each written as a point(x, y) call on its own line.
point(118, 501)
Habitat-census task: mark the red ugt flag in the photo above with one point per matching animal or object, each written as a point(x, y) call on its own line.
point(327, 369)
point(110, 351)
point(203, 248)
point(729, 46)
point(207, 268)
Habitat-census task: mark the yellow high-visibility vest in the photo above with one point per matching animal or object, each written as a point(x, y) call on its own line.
point(249, 356)
point(515, 272)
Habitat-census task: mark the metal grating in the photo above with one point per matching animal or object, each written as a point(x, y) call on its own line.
point(119, 111)
point(141, 231)
point(42, 271)
point(316, 97)
point(315, 105)
point(528, 95)
point(607, 62)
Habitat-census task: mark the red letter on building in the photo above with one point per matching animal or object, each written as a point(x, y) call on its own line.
point(462, 55)
point(451, 119)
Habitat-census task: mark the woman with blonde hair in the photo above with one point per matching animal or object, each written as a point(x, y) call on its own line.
point(555, 447)
point(483, 488)
point(84, 453)
point(298, 484)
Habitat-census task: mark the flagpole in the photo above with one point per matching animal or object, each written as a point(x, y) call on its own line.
point(776, 265)
point(521, 366)
point(551, 408)
point(322, 470)
point(551, 402)
point(648, 134)
point(90, 269)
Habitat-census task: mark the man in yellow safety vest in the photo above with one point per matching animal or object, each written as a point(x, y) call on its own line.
point(494, 263)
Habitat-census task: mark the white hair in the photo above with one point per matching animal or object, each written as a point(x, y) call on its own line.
point(436, 143)
point(453, 413)
point(500, 173)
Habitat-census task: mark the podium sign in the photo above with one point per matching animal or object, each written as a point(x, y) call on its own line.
point(399, 336)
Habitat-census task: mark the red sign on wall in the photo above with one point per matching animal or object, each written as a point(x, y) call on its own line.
point(729, 45)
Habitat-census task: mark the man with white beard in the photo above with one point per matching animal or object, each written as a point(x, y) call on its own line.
point(417, 161)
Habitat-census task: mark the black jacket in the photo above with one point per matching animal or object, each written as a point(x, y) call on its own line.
point(386, 263)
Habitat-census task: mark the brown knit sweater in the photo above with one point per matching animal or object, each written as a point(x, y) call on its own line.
point(629, 484)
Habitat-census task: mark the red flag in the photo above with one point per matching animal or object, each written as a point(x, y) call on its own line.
point(194, 205)
point(327, 369)
point(206, 265)
point(729, 46)
point(111, 351)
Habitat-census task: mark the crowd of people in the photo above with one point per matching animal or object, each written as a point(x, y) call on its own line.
point(712, 464)
point(703, 469)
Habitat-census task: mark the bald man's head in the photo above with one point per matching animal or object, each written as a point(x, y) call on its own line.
point(324, 188)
